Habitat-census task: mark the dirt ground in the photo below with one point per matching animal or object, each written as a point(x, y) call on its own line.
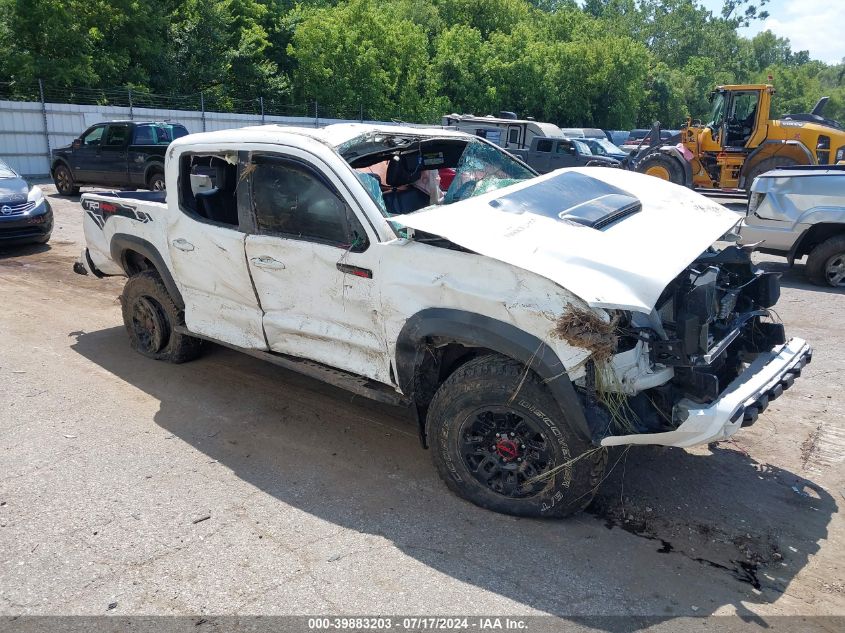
point(228, 485)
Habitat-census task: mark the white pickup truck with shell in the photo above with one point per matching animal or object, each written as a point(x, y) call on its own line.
point(528, 322)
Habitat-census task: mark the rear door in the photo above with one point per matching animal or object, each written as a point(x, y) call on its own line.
point(313, 266)
point(112, 157)
point(142, 143)
point(206, 244)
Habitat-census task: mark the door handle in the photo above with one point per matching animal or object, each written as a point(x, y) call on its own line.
point(182, 244)
point(267, 262)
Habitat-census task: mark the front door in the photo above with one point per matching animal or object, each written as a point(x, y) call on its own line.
point(565, 155)
point(206, 245)
point(313, 266)
point(85, 157)
point(113, 157)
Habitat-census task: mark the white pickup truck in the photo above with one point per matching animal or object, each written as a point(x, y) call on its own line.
point(529, 322)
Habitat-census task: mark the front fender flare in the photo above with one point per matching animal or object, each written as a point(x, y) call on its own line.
point(475, 330)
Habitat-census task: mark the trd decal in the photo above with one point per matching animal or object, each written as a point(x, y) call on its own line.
point(100, 212)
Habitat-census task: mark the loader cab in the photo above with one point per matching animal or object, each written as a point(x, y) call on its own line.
point(737, 118)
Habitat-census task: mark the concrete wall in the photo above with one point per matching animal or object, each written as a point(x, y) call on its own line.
point(24, 136)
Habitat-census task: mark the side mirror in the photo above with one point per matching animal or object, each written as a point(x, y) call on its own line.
point(77, 143)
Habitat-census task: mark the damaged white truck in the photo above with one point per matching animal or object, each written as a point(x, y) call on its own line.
point(529, 322)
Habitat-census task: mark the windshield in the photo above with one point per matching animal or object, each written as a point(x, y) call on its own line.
point(603, 147)
point(717, 110)
point(483, 168)
point(582, 146)
point(404, 173)
point(6, 171)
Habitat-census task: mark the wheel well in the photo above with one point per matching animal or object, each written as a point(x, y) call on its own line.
point(815, 235)
point(434, 342)
point(56, 163)
point(134, 262)
point(154, 168)
point(440, 361)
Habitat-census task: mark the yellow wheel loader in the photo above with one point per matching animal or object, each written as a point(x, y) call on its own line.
point(739, 142)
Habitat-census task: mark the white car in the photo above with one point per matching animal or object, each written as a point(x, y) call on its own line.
point(528, 322)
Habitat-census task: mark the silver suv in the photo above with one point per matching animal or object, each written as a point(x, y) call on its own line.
point(800, 211)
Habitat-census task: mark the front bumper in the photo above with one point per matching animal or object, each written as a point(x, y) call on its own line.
point(748, 395)
point(30, 227)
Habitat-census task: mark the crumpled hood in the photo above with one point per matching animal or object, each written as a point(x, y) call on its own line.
point(625, 264)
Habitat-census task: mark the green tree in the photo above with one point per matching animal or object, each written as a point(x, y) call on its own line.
point(487, 16)
point(461, 70)
point(200, 58)
point(359, 55)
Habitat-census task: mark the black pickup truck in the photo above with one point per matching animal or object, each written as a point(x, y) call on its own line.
point(548, 154)
point(127, 154)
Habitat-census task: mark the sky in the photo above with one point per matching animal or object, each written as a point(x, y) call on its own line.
point(812, 25)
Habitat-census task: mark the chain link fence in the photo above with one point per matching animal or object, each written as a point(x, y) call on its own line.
point(128, 97)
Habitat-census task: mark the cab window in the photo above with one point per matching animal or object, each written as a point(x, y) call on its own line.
point(291, 199)
point(116, 136)
point(745, 107)
point(208, 187)
point(94, 136)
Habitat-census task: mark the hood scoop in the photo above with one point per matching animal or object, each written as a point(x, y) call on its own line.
point(572, 197)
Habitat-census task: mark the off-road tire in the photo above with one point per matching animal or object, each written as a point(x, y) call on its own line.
point(491, 381)
point(767, 164)
point(668, 164)
point(63, 179)
point(818, 259)
point(156, 181)
point(150, 315)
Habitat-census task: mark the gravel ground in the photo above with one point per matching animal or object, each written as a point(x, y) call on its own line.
point(228, 485)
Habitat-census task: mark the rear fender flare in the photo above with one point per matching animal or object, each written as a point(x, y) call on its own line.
point(475, 330)
point(152, 167)
point(122, 242)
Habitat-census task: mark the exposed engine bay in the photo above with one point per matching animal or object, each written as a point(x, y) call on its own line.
point(709, 324)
